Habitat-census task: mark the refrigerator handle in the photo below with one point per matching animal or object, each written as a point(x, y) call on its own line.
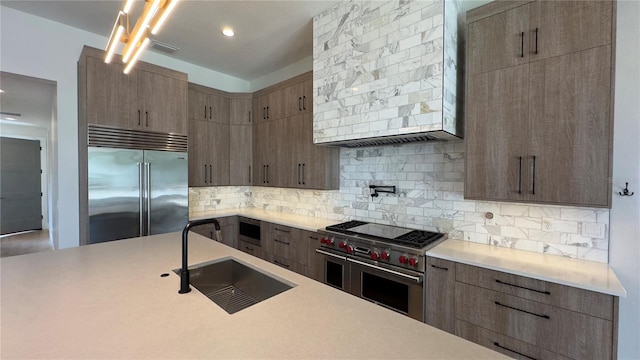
point(148, 197)
point(140, 201)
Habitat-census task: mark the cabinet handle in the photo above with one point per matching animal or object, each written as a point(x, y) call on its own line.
point(267, 174)
point(522, 44)
point(281, 242)
point(513, 351)
point(205, 111)
point(284, 231)
point(439, 267)
point(264, 172)
point(299, 171)
point(314, 238)
point(139, 117)
point(281, 264)
point(267, 113)
point(210, 176)
point(522, 287)
point(299, 103)
point(520, 175)
point(533, 182)
point(210, 112)
point(536, 41)
point(303, 174)
point(524, 311)
point(304, 103)
point(211, 235)
point(249, 116)
point(264, 113)
point(205, 174)
point(248, 248)
point(146, 114)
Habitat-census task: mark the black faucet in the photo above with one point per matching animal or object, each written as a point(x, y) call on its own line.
point(184, 271)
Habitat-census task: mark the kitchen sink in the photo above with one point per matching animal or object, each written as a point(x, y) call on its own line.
point(232, 285)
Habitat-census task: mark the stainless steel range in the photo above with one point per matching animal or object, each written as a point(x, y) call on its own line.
point(381, 263)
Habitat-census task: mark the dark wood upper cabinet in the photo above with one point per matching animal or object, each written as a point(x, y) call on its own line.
point(538, 125)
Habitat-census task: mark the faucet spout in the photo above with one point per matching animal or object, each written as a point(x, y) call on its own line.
point(184, 270)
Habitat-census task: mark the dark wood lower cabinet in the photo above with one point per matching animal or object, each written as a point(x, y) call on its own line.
point(518, 316)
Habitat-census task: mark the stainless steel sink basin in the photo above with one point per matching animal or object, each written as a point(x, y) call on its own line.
point(232, 285)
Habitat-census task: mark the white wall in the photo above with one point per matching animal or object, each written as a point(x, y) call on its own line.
point(285, 73)
point(41, 48)
point(624, 250)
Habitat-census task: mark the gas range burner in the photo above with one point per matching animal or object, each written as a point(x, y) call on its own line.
point(386, 233)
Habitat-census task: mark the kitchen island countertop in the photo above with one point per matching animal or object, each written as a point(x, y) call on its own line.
point(109, 301)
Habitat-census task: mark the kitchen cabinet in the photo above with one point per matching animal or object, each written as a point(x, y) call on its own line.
point(209, 137)
point(315, 268)
point(228, 228)
point(539, 111)
point(298, 98)
point(440, 300)
point(241, 141)
point(270, 106)
point(289, 247)
point(521, 316)
point(208, 153)
point(269, 147)
point(251, 249)
point(150, 98)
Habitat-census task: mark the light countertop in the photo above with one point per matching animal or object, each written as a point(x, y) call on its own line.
point(109, 301)
point(298, 221)
point(588, 275)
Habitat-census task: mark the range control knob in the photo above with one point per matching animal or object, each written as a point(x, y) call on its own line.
point(402, 259)
point(385, 255)
point(349, 249)
point(329, 241)
point(375, 255)
point(342, 244)
point(323, 240)
point(413, 262)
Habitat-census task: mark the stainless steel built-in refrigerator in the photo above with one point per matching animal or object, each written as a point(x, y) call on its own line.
point(136, 193)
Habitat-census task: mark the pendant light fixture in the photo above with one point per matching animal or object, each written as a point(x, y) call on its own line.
point(153, 16)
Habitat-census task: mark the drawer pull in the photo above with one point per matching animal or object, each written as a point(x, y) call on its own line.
point(313, 238)
point(513, 351)
point(284, 231)
point(522, 287)
point(439, 267)
point(248, 248)
point(281, 242)
point(281, 264)
point(524, 311)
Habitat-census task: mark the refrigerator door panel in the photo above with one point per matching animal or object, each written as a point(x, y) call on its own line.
point(114, 194)
point(168, 192)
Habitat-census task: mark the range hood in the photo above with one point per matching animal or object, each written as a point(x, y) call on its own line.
point(388, 72)
point(394, 139)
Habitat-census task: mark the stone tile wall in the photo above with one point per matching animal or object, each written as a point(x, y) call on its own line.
point(380, 67)
point(219, 198)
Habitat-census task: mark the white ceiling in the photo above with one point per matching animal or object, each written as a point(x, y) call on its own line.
point(269, 34)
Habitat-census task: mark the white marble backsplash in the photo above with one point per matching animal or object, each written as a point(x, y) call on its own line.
point(429, 178)
point(381, 68)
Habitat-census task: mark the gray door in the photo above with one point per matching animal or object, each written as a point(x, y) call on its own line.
point(20, 185)
point(168, 192)
point(115, 194)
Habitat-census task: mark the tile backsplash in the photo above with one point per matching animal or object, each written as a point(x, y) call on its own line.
point(429, 180)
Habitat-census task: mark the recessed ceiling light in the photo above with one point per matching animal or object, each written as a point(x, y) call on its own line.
point(228, 32)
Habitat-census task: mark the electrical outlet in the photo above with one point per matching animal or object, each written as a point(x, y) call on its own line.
point(592, 230)
point(489, 219)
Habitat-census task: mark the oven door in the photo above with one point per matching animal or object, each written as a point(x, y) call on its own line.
point(334, 269)
point(401, 291)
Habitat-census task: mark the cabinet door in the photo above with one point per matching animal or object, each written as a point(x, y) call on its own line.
point(498, 41)
point(198, 105)
point(314, 263)
point(564, 27)
point(570, 113)
point(300, 169)
point(198, 153)
point(163, 102)
point(218, 109)
point(240, 155)
point(274, 102)
point(111, 95)
point(260, 146)
point(229, 229)
point(496, 134)
point(268, 153)
point(218, 138)
point(293, 99)
point(240, 111)
point(441, 287)
point(307, 96)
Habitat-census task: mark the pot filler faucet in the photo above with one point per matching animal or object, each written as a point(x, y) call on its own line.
point(184, 271)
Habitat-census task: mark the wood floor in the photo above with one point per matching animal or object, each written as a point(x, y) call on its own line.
point(25, 243)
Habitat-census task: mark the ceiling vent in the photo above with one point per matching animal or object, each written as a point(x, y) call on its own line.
point(166, 48)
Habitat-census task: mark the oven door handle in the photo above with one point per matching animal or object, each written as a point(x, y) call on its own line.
point(417, 279)
point(343, 258)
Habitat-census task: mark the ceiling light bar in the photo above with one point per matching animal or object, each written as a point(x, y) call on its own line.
point(164, 14)
point(154, 15)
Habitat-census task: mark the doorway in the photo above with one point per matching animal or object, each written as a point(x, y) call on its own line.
point(29, 162)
